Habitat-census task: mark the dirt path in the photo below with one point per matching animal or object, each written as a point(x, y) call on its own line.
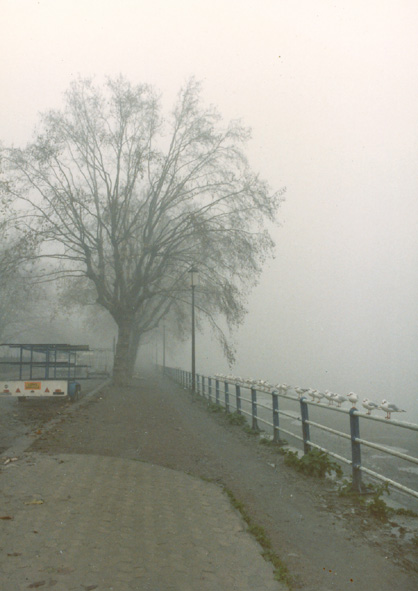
point(323, 542)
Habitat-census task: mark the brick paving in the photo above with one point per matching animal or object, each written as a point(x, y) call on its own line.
point(84, 522)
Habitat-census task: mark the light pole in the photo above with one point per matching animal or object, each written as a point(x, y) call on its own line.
point(163, 348)
point(193, 282)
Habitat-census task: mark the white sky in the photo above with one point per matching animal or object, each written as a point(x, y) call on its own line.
point(330, 89)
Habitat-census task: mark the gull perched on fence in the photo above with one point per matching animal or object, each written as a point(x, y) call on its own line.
point(370, 405)
point(353, 398)
point(389, 408)
point(330, 397)
point(300, 391)
point(312, 393)
point(339, 399)
point(263, 385)
point(318, 395)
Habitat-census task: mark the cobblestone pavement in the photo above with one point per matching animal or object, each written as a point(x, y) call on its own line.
point(91, 522)
point(84, 522)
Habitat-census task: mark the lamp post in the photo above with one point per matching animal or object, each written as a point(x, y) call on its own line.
point(163, 348)
point(193, 282)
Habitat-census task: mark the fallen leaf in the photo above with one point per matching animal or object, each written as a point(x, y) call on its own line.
point(6, 517)
point(35, 502)
point(37, 584)
point(14, 554)
point(7, 462)
point(91, 587)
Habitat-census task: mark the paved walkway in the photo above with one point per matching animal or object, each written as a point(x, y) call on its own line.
point(84, 522)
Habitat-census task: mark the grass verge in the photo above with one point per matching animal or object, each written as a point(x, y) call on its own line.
point(281, 572)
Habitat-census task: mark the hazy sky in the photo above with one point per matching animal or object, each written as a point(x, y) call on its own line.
point(330, 89)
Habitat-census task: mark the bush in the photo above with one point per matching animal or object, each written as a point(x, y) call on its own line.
point(315, 463)
point(377, 507)
point(213, 407)
point(236, 419)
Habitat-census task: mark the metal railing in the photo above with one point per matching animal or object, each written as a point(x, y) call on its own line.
point(243, 398)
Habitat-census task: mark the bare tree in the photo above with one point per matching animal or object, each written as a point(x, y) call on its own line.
point(18, 299)
point(130, 201)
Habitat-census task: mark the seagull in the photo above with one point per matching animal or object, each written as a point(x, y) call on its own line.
point(390, 408)
point(263, 385)
point(370, 405)
point(315, 394)
point(339, 399)
point(353, 398)
point(312, 393)
point(329, 396)
point(300, 391)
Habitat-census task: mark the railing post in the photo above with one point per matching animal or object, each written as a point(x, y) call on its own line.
point(355, 450)
point(254, 425)
point(217, 391)
point(276, 432)
point(197, 383)
point(238, 398)
point(305, 427)
point(226, 396)
point(203, 386)
point(210, 389)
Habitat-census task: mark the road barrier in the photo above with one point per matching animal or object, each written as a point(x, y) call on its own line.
point(241, 396)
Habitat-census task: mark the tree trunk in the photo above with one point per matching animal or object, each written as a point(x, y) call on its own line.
point(133, 348)
point(122, 368)
point(132, 358)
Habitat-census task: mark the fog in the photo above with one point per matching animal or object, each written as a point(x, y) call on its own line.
point(330, 91)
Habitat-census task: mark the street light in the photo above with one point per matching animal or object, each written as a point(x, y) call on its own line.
point(193, 282)
point(163, 348)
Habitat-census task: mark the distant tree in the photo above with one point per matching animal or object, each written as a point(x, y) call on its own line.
point(16, 295)
point(14, 305)
point(131, 201)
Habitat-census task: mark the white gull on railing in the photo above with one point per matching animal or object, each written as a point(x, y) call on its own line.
point(389, 408)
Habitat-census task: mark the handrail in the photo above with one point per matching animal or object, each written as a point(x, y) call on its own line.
point(395, 453)
point(221, 387)
point(334, 431)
